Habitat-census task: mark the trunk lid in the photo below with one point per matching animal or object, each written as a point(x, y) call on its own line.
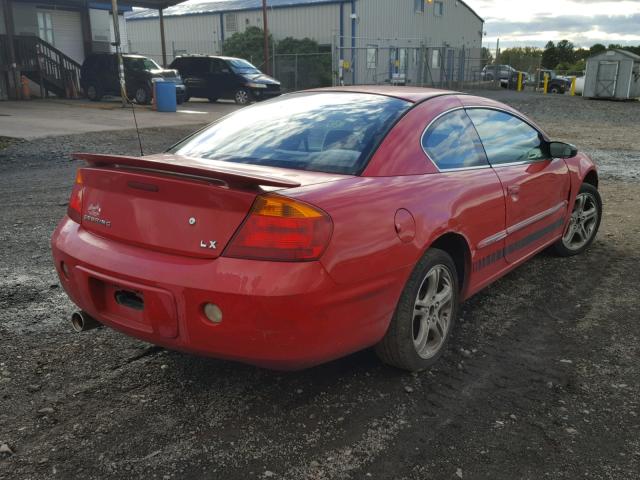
point(175, 204)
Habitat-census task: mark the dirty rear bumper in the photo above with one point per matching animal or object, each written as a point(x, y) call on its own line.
point(274, 314)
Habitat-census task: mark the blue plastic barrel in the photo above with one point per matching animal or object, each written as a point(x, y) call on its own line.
point(166, 97)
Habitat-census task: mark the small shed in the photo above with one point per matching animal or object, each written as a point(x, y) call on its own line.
point(613, 74)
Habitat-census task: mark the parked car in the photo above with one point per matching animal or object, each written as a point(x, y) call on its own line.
point(556, 84)
point(99, 77)
point(500, 72)
point(299, 230)
point(225, 77)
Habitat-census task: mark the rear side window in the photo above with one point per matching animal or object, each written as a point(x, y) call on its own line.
point(506, 138)
point(333, 132)
point(452, 142)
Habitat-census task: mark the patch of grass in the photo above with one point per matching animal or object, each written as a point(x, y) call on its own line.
point(6, 141)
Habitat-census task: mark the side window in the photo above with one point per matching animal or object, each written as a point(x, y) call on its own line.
point(199, 66)
point(452, 142)
point(181, 64)
point(223, 66)
point(506, 138)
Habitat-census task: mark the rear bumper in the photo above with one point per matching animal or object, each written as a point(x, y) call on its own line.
point(277, 315)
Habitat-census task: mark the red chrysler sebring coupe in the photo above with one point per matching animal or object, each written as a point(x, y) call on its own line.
point(302, 229)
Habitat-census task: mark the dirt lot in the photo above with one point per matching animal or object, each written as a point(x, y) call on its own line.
point(540, 381)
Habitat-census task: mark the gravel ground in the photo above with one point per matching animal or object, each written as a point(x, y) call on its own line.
point(540, 381)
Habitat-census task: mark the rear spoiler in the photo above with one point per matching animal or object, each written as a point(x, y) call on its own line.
point(189, 166)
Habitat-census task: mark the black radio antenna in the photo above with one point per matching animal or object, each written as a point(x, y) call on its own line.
point(135, 121)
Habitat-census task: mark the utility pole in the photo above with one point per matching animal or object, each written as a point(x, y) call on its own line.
point(266, 37)
point(116, 43)
point(496, 71)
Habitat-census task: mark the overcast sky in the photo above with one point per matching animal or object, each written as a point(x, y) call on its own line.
point(584, 22)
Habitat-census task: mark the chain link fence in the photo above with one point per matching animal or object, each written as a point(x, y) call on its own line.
point(398, 61)
point(370, 61)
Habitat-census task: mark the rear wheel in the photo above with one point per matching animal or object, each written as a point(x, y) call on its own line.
point(584, 223)
point(421, 326)
point(242, 96)
point(143, 95)
point(555, 89)
point(94, 93)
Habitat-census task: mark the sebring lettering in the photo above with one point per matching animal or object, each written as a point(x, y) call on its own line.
point(99, 221)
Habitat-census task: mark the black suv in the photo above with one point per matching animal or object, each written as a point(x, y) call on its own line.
point(99, 77)
point(225, 77)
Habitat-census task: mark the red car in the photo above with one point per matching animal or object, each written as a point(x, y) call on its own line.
point(302, 229)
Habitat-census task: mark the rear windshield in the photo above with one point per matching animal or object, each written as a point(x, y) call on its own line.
point(331, 132)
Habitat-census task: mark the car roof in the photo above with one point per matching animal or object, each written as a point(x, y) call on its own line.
point(410, 94)
point(196, 55)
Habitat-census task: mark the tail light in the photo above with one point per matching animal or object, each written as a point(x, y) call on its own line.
point(281, 229)
point(74, 210)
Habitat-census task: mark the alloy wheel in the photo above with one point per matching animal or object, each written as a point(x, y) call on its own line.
point(242, 97)
point(432, 311)
point(583, 223)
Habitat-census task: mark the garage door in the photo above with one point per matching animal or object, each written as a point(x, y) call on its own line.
point(67, 32)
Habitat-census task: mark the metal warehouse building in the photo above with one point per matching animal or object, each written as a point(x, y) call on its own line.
point(415, 42)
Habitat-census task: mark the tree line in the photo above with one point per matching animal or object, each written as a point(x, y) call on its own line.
point(561, 57)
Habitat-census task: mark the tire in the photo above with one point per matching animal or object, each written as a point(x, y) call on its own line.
point(94, 93)
point(554, 90)
point(186, 99)
point(420, 328)
point(242, 96)
point(213, 99)
point(584, 224)
point(143, 95)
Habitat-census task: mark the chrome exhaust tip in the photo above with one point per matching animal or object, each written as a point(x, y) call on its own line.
point(82, 321)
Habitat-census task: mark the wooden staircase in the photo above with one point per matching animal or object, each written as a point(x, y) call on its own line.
point(43, 64)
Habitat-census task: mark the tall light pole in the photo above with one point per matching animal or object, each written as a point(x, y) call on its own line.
point(116, 43)
point(265, 25)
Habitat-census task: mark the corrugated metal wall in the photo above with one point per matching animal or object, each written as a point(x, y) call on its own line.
point(376, 19)
point(202, 33)
point(188, 34)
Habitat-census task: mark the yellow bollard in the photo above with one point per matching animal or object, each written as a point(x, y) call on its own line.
point(573, 86)
point(546, 83)
point(519, 81)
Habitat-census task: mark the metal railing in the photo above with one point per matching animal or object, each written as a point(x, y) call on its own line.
point(44, 64)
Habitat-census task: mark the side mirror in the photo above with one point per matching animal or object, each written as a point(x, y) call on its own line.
point(562, 150)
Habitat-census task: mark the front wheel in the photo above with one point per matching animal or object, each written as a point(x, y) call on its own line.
point(584, 223)
point(421, 326)
point(242, 96)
